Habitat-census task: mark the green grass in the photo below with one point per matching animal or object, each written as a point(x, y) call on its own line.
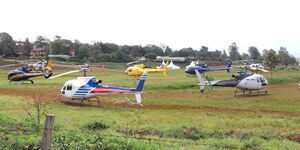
point(174, 111)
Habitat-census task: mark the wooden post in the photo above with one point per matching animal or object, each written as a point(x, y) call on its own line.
point(46, 140)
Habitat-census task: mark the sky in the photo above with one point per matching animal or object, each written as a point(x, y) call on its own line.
point(266, 24)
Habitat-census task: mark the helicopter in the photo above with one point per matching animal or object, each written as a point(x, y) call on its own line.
point(138, 70)
point(250, 65)
point(195, 67)
point(190, 69)
point(254, 67)
point(24, 73)
point(243, 81)
point(86, 88)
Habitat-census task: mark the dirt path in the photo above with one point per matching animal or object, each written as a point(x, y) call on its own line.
point(53, 95)
point(125, 104)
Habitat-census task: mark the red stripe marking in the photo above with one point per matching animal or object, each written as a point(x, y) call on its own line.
point(105, 90)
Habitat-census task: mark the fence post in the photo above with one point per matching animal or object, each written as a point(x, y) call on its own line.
point(46, 139)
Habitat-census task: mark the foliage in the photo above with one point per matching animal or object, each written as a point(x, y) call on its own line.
point(285, 58)
point(271, 59)
point(61, 46)
point(254, 53)
point(7, 45)
point(233, 52)
point(151, 56)
point(27, 47)
point(192, 133)
point(97, 125)
point(110, 52)
point(39, 103)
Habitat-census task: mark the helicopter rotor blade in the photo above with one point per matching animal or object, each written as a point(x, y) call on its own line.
point(74, 71)
point(8, 65)
point(263, 70)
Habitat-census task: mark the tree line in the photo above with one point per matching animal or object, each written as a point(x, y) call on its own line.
point(110, 52)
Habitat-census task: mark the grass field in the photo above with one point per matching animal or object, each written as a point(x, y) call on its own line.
point(174, 115)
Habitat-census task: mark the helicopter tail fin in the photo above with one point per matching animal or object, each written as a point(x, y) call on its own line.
point(138, 98)
point(49, 63)
point(228, 65)
point(141, 82)
point(48, 69)
point(166, 68)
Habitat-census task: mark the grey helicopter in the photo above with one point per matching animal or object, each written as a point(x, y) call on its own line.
point(246, 82)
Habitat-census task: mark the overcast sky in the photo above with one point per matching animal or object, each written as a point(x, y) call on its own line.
point(265, 24)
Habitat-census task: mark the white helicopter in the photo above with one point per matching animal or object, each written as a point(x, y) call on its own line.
point(254, 67)
point(243, 81)
point(86, 88)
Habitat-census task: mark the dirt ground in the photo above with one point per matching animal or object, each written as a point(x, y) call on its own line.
point(53, 95)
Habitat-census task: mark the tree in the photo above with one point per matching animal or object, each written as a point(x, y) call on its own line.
point(154, 49)
point(75, 48)
point(150, 56)
point(202, 54)
point(84, 51)
point(284, 57)
point(271, 59)
point(137, 51)
point(109, 48)
point(169, 52)
point(245, 56)
point(224, 55)
point(186, 52)
point(7, 45)
point(254, 53)
point(61, 46)
point(27, 47)
point(233, 52)
point(43, 43)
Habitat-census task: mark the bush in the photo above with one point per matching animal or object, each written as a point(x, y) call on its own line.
point(73, 140)
point(192, 133)
point(97, 125)
point(254, 142)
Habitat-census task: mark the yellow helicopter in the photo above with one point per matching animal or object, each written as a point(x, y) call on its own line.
point(138, 70)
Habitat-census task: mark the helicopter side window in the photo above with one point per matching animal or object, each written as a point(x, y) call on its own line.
point(64, 88)
point(258, 80)
point(69, 87)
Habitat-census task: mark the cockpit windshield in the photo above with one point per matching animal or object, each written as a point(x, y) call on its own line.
point(69, 87)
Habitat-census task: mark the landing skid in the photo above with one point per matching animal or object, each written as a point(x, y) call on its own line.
point(239, 92)
point(84, 101)
point(22, 81)
point(90, 100)
point(129, 101)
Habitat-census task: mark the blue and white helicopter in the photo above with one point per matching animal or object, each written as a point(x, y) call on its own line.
point(195, 67)
point(86, 88)
point(190, 69)
point(25, 72)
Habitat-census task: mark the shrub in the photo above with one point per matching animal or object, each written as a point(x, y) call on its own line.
point(254, 142)
point(97, 125)
point(192, 133)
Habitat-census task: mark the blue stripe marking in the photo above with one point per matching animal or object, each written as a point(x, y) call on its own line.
point(79, 94)
point(82, 91)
